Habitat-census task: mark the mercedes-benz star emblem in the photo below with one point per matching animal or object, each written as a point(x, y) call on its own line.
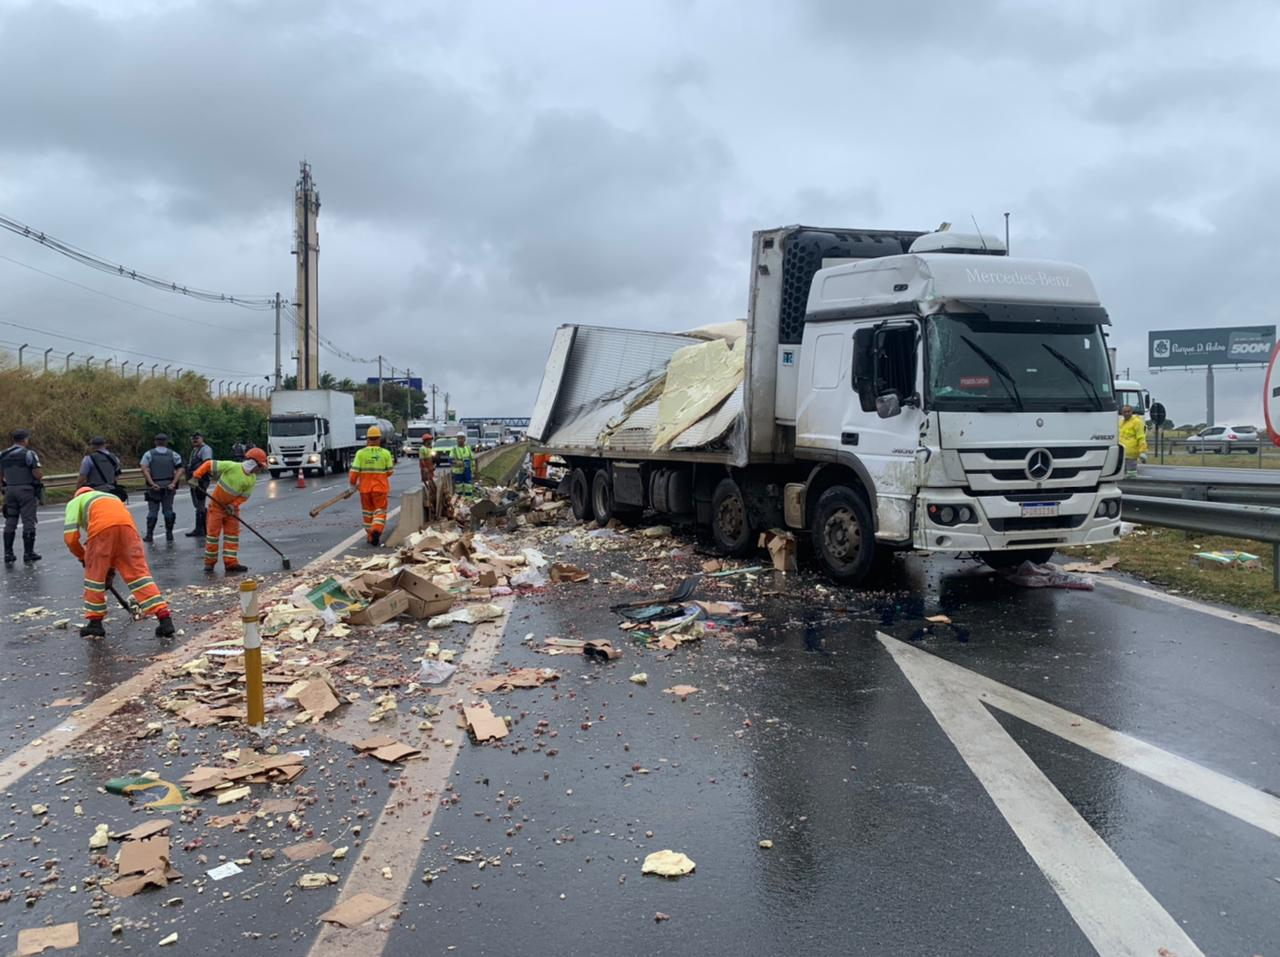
point(1039, 465)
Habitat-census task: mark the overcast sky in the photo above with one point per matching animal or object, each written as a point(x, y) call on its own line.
point(491, 170)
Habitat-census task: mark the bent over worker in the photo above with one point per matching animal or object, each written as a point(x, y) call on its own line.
point(1133, 437)
point(371, 474)
point(236, 481)
point(113, 545)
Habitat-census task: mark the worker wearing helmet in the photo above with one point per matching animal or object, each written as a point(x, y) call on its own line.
point(112, 545)
point(371, 474)
point(235, 483)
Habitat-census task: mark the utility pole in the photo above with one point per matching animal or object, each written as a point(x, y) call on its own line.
point(379, 380)
point(433, 403)
point(408, 397)
point(307, 249)
point(1006, 234)
point(277, 340)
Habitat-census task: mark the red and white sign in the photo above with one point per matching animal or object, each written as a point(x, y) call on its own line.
point(1271, 396)
point(975, 382)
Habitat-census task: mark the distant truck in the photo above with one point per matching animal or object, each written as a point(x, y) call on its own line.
point(364, 422)
point(419, 432)
point(1133, 394)
point(492, 434)
point(312, 431)
point(888, 390)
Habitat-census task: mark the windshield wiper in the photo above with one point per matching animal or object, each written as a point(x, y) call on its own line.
point(1006, 377)
point(1076, 371)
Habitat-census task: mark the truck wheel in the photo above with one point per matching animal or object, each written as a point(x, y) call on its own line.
point(580, 496)
point(1015, 557)
point(730, 525)
point(275, 473)
point(843, 536)
point(602, 497)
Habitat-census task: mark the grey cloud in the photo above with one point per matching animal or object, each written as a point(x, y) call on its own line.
point(1179, 93)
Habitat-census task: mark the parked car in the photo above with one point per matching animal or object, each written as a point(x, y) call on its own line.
point(1224, 439)
point(440, 449)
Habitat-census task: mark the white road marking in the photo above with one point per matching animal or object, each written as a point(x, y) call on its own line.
point(1190, 604)
point(1110, 905)
point(405, 822)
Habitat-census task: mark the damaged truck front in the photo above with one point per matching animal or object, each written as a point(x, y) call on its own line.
point(889, 390)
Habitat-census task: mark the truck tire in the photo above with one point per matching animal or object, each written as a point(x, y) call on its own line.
point(602, 497)
point(1015, 557)
point(275, 473)
point(580, 496)
point(730, 524)
point(844, 539)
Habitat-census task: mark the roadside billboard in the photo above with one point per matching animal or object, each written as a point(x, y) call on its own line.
point(1237, 345)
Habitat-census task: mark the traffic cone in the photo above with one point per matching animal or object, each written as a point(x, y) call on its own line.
point(302, 478)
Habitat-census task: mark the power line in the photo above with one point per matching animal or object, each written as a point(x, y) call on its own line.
point(103, 265)
point(291, 313)
point(128, 352)
point(136, 305)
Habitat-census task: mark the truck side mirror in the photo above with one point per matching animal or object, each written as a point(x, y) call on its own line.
point(888, 405)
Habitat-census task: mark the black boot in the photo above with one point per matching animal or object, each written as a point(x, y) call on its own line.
point(29, 548)
point(93, 629)
point(164, 627)
point(9, 556)
point(168, 528)
point(198, 531)
point(151, 531)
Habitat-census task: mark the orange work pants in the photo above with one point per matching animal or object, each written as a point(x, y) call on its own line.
point(118, 547)
point(219, 523)
point(373, 511)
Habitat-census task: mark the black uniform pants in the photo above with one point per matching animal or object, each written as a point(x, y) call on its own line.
point(20, 503)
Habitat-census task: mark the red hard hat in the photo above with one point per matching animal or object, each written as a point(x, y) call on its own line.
point(258, 456)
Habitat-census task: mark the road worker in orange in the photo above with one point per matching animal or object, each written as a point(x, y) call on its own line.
point(371, 474)
point(235, 483)
point(112, 545)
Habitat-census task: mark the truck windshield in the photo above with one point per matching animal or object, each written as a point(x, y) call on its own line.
point(977, 365)
point(1131, 397)
point(293, 427)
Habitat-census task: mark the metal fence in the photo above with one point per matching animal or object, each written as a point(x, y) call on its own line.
point(1231, 502)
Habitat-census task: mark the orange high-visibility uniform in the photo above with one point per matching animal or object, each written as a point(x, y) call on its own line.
point(371, 473)
point(112, 543)
point(540, 462)
point(233, 488)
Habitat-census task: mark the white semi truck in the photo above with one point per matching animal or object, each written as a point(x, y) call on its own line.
point(888, 390)
point(312, 431)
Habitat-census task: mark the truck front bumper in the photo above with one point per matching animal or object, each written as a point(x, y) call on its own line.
point(1001, 523)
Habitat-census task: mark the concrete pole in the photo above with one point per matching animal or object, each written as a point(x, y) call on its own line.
point(107, 365)
point(69, 355)
point(124, 368)
point(88, 363)
point(154, 365)
point(166, 370)
point(379, 380)
point(1208, 396)
point(277, 379)
point(46, 358)
point(21, 349)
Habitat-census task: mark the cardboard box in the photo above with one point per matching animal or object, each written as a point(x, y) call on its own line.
point(382, 610)
point(782, 549)
point(422, 609)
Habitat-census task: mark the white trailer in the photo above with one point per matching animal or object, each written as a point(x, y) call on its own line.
point(312, 431)
point(889, 390)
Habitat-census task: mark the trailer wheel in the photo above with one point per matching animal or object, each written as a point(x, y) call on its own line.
point(580, 496)
point(1015, 557)
point(843, 536)
point(730, 524)
point(602, 497)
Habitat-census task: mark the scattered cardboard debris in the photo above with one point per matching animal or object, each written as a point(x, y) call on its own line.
point(782, 549)
point(938, 619)
point(144, 860)
point(233, 795)
point(483, 724)
point(565, 572)
point(1093, 568)
point(67, 702)
point(308, 850)
point(222, 871)
point(517, 678)
point(316, 879)
point(386, 748)
point(36, 940)
point(601, 650)
point(667, 863)
point(639, 678)
point(470, 615)
point(682, 690)
point(356, 910)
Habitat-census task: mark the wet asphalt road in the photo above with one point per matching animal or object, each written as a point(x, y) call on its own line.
point(41, 664)
point(804, 732)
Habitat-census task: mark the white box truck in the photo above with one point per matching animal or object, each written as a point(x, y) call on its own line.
point(311, 430)
point(888, 390)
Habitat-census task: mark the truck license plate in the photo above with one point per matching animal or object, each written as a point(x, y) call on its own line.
point(1039, 509)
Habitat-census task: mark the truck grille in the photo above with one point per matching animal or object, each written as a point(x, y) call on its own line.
point(1003, 469)
point(1054, 522)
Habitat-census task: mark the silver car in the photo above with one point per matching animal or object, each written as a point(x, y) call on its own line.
point(1224, 439)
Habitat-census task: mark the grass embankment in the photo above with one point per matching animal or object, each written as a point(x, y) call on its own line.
point(64, 410)
point(1164, 556)
point(1270, 459)
point(500, 466)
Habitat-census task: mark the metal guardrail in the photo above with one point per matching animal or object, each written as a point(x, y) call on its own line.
point(1239, 486)
point(71, 479)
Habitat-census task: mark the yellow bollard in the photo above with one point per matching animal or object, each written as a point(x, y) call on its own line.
point(252, 651)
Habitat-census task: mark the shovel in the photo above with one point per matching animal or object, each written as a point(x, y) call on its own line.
point(131, 606)
point(284, 559)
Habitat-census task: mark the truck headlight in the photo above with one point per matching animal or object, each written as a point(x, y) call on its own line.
point(313, 458)
point(272, 460)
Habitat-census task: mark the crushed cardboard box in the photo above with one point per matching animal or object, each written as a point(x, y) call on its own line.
point(482, 723)
point(782, 549)
point(386, 748)
point(356, 910)
point(518, 678)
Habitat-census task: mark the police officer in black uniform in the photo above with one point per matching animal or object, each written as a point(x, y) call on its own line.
point(200, 453)
point(100, 469)
point(162, 467)
point(21, 473)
